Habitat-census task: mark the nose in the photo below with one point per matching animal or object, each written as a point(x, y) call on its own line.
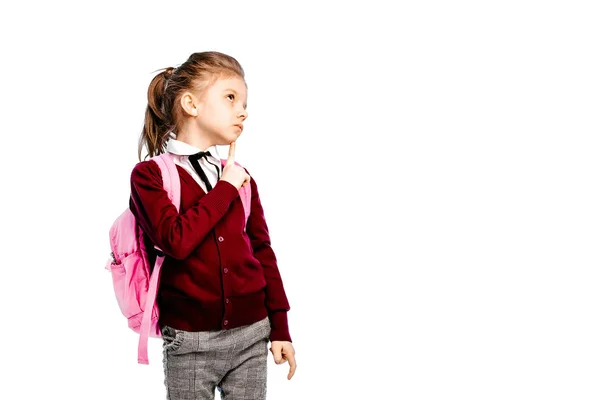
point(243, 114)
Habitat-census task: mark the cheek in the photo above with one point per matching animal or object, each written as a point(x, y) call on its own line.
point(213, 115)
point(224, 113)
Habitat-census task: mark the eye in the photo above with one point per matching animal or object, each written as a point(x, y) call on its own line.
point(230, 95)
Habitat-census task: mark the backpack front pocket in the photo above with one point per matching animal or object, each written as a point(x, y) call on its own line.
point(130, 284)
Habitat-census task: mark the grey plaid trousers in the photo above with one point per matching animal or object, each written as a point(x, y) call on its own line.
point(234, 361)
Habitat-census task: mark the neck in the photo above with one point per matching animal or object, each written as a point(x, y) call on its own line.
point(192, 136)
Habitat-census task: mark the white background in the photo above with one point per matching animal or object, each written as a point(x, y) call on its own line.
point(429, 173)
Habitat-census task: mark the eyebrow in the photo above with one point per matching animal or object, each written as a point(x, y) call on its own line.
point(229, 89)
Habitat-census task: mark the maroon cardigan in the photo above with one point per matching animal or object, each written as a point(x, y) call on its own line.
point(215, 276)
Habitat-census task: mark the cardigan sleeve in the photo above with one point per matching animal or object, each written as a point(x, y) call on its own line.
point(176, 234)
point(276, 300)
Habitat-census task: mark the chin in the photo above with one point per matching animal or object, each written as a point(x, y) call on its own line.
point(233, 138)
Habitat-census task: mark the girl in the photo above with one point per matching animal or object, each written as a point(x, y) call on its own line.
point(221, 297)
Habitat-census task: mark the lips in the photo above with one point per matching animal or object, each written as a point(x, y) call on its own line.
point(240, 126)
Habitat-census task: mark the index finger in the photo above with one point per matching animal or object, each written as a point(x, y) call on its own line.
point(292, 362)
point(231, 156)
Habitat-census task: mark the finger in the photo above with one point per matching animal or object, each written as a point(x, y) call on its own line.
point(277, 354)
point(292, 361)
point(231, 156)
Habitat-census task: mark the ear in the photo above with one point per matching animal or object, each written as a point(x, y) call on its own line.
point(189, 104)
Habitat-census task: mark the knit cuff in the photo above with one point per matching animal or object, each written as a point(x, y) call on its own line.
point(279, 327)
point(221, 196)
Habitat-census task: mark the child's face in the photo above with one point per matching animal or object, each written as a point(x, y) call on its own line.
point(222, 107)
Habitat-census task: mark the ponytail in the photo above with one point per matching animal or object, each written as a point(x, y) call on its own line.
point(158, 120)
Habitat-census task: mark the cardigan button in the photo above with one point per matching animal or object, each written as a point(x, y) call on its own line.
point(226, 270)
point(221, 238)
point(227, 301)
point(225, 322)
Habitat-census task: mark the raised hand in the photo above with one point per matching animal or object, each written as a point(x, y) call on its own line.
point(233, 173)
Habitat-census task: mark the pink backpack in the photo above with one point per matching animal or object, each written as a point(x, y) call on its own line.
point(134, 287)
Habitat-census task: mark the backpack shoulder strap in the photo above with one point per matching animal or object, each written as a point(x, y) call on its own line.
point(170, 177)
point(245, 194)
point(172, 186)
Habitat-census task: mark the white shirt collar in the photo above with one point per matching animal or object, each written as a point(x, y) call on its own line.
point(178, 147)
